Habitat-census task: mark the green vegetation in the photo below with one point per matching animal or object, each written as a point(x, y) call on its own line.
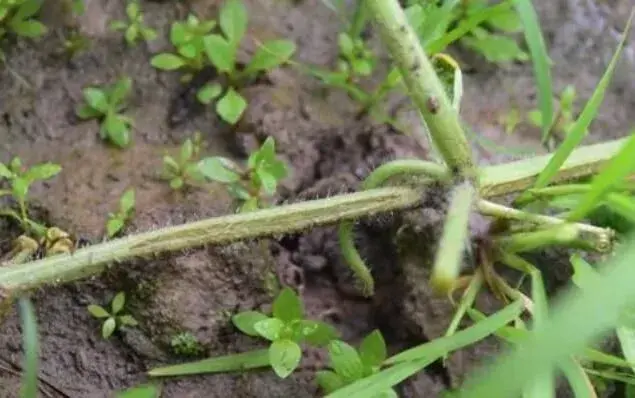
point(116, 221)
point(134, 29)
point(563, 120)
point(19, 18)
point(113, 319)
point(184, 171)
point(186, 344)
point(106, 104)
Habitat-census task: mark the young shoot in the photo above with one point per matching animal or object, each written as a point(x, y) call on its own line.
point(20, 178)
point(252, 184)
point(116, 221)
point(563, 119)
point(107, 104)
point(186, 344)
point(184, 170)
point(286, 328)
point(187, 38)
point(113, 319)
point(134, 28)
point(18, 17)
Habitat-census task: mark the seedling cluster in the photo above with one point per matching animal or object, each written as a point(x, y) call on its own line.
point(19, 18)
point(113, 319)
point(134, 28)
point(116, 221)
point(184, 170)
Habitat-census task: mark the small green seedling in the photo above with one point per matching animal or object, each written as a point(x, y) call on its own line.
point(142, 391)
point(349, 365)
point(116, 221)
point(113, 320)
point(188, 39)
point(20, 179)
point(563, 118)
point(135, 27)
point(18, 17)
point(106, 104)
point(249, 185)
point(356, 60)
point(286, 329)
point(222, 53)
point(186, 344)
point(185, 170)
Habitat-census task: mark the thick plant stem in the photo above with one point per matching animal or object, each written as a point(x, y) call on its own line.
point(220, 230)
point(426, 90)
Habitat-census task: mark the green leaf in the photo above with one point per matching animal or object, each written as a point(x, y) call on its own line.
point(179, 34)
point(287, 306)
point(267, 181)
point(329, 381)
point(577, 133)
point(284, 356)
point(506, 21)
point(315, 332)
point(231, 107)
point(27, 9)
point(372, 351)
point(270, 55)
point(246, 321)
point(218, 169)
point(535, 117)
point(187, 150)
point(108, 328)
point(5, 172)
point(29, 28)
point(496, 48)
point(345, 361)
point(131, 34)
point(248, 205)
point(345, 43)
point(113, 226)
point(98, 311)
point(117, 129)
point(176, 183)
point(120, 91)
point(144, 391)
point(362, 67)
point(188, 50)
point(220, 52)
point(167, 61)
point(209, 92)
point(567, 97)
point(277, 168)
point(127, 201)
point(20, 188)
point(97, 99)
point(233, 20)
point(264, 154)
point(85, 111)
point(227, 363)
point(149, 34)
point(270, 328)
point(132, 10)
point(118, 302)
point(31, 348)
point(42, 171)
point(127, 320)
point(118, 25)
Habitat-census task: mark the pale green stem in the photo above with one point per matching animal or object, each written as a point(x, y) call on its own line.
point(560, 235)
point(425, 87)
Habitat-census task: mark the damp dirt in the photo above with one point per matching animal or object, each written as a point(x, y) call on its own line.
point(329, 152)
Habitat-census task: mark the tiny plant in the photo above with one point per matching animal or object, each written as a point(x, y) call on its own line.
point(222, 52)
point(18, 17)
point(285, 329)
point(348, 365)
point(563, 118)
point(141, 391)
point(113, 319)
point(187, 37)
point(106, 104)
point(116, 221)
point(249, 185)
point(20, 179)
point(135, 28)
point(186, 344)
point(185, 169)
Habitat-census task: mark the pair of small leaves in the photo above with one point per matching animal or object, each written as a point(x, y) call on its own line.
point(110, 324)
point(135, 28)
point(22, 180)
point(117, 221)
point(230, 107)
point(267, 168)
point(348, 365)
point(22, 22)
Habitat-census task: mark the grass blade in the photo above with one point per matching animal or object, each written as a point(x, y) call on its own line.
point(567, 332)
point(578, 131)
point(618, 169)
point(226, 363)
point(540, 60)
point(29, 387)
point(622, 205)
point(578, 379)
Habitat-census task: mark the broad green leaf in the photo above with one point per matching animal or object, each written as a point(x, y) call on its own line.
point(615, 172)
point(226, 363)
point(86, 111)
point(120, 91)
point(117, 129)
point(362, 67)
point(27, 8)
point(270, 328)
point(233, 20)
point(284, 357)
point(541, 62)
point(188, 50)
point(31, 348)
point(329, 381)
point(149, 34)
point(127, 320)
point(187, 150)
point(118, 302)
point(108, 327)
point(96, 98)
point(372, 350)
point(20, 187)
point(270, 55)
point(220, 52)
point(496, 48)
point(5, 172)
point(287, 306)
point(217, 169)
point(209, 92)
point(277, 168)
point(315, 332)
point(179, 34)
point(118, 25)
point(506, 21)
point(113, 226)
point(131, 34)
point(345, 44)
point(267, 181)
point(231, 107)
point(42, 171)
point(132, 10)
point(176, 183)
point(167, 61)
point(245, 321)
point(144, 391)
point(29, 28)
point(579, 129)
point(265, 154)
point(98, 311)
point(127, 201)
point(345, 361)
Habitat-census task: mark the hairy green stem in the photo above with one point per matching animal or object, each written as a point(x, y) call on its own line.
point(426, 90)
point(560, 235)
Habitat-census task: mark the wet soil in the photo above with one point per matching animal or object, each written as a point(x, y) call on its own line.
point(329, 152)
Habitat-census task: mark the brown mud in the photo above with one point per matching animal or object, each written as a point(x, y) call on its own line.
point(329, 152)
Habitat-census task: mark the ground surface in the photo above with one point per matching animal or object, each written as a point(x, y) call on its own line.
point(328, 150)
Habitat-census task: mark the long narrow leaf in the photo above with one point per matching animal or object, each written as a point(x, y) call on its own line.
point(227, 363)
point(31, 349)
point(579, 130)
point(578, 379)
point(540, 60)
